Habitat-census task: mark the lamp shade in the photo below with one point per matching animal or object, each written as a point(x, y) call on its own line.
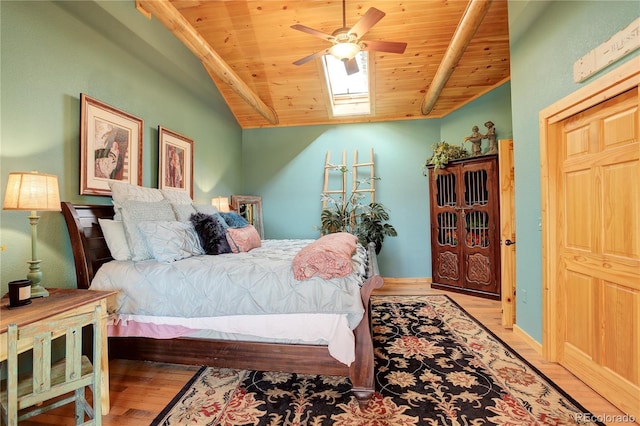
point(221, 203)
point(32, 191)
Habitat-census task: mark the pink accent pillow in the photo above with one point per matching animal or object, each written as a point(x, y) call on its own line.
point(327, 257)
point(243, 239)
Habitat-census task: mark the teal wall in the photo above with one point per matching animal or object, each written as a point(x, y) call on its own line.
point(286, 167)
point(542, 58)
point(495, 106)
point(52, 52)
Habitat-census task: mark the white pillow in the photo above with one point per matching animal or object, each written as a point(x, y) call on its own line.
point(206, 208)
point(134, 212)
point(183, 211)
point(176, 197)
point(113, 231)
point(122, 191)
point(181, 203)
point(169, 241)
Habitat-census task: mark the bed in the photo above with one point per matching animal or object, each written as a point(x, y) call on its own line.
point(91, 252)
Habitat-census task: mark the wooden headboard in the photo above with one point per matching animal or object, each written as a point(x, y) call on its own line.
point(89, 247)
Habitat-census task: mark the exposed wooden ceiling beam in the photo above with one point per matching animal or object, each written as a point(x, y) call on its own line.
point(469, 24)
point(166, 13)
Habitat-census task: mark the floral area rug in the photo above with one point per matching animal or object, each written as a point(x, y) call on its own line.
point(435, 365)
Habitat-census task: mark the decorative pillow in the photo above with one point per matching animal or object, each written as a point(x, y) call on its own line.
point(211, 232)
point(243, 239)
point(134, 212)
point(183, 211)
point(234, 220)
point(327, 257)
point(181, 203)
point(205, 208)
point(122, 191)
point(113, 231)
point(169, 241)
point(176, 197)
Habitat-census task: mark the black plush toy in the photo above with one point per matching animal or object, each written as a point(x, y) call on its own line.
point(212, 232)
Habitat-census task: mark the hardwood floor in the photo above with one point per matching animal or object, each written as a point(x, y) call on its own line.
point(140, 390)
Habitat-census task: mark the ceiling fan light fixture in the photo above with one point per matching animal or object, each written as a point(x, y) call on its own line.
point(345, 50)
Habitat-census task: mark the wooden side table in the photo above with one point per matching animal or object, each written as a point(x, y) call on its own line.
point(61, 303)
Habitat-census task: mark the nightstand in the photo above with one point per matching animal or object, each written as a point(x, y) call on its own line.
point(61, 303)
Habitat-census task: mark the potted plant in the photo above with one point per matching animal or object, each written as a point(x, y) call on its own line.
point(366, 221)
point(442, 154)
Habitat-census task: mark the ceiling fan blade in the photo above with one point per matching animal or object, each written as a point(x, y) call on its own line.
point(351, 66)
point(316, 33)
point(311, 57)
point(384, 46)
point(368, 20)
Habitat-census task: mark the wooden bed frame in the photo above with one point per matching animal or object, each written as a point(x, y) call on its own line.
point(90, 251)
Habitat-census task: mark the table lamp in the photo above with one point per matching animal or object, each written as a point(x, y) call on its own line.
point(221, 203)
point(33, 191)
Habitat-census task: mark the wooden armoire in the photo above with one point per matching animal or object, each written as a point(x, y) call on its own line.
point(465, 226)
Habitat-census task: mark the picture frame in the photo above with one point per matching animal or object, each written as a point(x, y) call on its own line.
point(175, 162)
point(249, 207)
point(110, 147)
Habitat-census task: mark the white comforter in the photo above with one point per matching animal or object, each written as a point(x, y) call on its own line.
point(202, 291)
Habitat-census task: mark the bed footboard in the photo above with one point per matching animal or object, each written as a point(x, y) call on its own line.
point(362, 370)
point(90, 251)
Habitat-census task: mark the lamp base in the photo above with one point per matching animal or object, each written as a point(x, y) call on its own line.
point(38, 291)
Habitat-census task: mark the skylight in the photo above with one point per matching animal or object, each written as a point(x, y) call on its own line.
point(349, 93)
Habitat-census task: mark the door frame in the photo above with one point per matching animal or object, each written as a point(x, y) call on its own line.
point(507, 232)
point(617, 81)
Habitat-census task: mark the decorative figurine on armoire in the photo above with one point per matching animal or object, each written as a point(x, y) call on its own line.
point(491, 135)
point(476, 141)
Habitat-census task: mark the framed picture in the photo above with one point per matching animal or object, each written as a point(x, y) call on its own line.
point(175, 168)
point(249, 207)
point(110, 147)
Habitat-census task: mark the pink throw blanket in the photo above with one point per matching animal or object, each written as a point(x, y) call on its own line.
point(327, 257)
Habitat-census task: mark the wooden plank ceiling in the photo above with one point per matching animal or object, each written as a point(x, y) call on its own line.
point(248, 48)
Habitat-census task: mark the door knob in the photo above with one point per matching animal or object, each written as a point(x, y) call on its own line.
point(509, 242)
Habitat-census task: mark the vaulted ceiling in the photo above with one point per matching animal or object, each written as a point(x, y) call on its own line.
point(456, 52)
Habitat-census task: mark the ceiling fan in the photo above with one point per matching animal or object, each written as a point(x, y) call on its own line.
point(347, 42)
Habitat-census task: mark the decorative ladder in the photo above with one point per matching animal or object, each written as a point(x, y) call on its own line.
point(372, 183)
point(328, 167)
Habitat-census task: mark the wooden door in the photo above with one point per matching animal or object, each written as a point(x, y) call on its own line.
point(507, 232)
point(598, 247)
